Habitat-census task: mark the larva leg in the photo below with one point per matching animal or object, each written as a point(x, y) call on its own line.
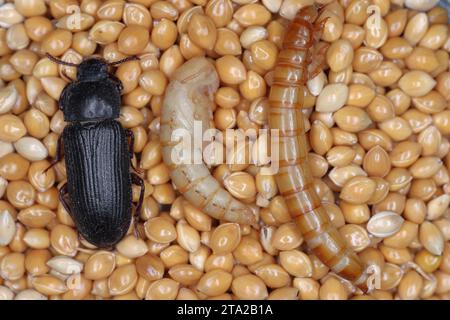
point(318, 29)
point(186, 106)
point(319, 50)
point(319, 59)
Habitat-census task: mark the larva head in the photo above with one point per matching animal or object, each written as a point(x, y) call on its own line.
point(199, 76)
point(308, 13)
point(300, 34)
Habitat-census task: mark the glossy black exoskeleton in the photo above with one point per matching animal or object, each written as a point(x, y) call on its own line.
point(98, 192)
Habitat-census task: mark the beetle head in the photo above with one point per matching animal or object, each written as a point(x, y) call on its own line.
point(92, 69)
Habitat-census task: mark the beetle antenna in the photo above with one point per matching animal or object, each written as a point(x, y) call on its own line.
point(59, 61)
point(130, 58)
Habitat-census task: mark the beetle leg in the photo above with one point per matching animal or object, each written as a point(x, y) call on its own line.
point(59, 155)
point(61, 194)
point(130, 134)
point(137, 213)
point(117, 82)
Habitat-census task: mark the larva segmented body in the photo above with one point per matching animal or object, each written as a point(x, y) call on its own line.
point(188, 99)
point(297, 62)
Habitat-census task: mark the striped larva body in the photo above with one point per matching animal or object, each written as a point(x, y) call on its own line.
point(188, 100)
point(300, 59)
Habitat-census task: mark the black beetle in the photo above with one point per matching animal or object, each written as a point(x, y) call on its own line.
point(97, 154)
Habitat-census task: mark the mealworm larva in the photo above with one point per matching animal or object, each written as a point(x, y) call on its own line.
point(302, 57)
point(187, 100)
